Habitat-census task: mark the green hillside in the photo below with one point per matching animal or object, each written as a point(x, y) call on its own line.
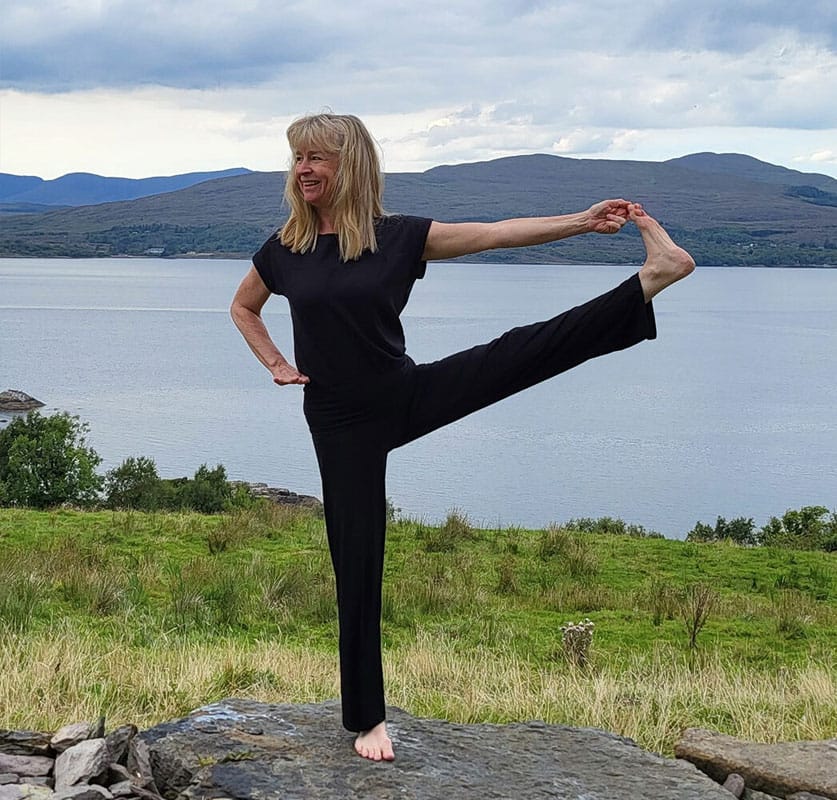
point(727, 209)
point(142, 617)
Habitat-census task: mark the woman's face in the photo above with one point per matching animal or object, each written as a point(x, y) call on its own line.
point(316, 172)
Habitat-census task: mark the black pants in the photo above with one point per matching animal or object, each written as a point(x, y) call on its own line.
point(354, 430)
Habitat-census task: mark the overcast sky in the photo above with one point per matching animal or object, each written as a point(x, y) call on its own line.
point(157, 87)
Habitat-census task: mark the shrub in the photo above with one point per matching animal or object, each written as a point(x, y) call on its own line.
point(134, 484)
point(661, 599)
point(809, 528)
point(741, 530)
point(697, 602)
point(208, 492)
point(44, 462)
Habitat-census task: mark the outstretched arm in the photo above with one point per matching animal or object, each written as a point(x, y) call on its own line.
point(450, 240)
point(246, 310)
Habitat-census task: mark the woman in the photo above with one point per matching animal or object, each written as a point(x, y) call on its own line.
point(347, 270)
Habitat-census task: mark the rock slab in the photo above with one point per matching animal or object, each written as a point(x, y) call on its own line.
point(14, 400)
point(777, 769)
point(246, 750)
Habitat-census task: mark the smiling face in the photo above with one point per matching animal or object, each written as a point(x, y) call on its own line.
point(316, 175)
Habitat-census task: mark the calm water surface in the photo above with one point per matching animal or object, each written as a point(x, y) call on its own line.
point(732, 411)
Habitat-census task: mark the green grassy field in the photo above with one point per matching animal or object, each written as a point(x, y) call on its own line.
point(143, 617)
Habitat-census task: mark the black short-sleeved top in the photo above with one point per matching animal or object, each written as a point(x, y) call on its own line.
point(346, 314)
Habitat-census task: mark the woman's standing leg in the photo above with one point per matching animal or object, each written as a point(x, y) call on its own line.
point(352, 465)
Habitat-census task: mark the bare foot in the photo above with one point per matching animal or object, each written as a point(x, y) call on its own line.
point(374, 744)
point(665, 262)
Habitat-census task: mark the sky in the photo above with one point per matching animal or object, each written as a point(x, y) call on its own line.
point(137, 88)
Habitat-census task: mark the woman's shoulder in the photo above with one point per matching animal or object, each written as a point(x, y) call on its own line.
point(399, 221)
point(401, 225)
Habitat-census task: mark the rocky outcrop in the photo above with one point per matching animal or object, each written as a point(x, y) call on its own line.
point(283, 497)
point(785, 770)
point(245, 749)
point(13, 400)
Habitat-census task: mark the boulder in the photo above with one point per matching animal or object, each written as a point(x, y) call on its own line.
point(82, 763)
point(13, 400)
point(26, 765)
point(118, 742)
point(24, 743)
point(25, 791)
point(246, 749)
point(778, 769)
point(70, 735)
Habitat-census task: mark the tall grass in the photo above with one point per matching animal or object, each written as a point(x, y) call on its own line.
point(143, 617)
point(74, 675)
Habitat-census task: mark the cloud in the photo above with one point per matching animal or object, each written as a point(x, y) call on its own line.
point(438, 82)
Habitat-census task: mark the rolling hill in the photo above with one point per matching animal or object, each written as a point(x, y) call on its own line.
point(728, 209)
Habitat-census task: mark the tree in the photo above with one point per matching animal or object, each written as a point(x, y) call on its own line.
point(208, 492)
point(808, 528)
point(44, 462)
point(134, 484)
point(741, 530)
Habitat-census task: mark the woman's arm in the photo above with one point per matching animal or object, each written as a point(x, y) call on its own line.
point(246, 310)
point(449, 240)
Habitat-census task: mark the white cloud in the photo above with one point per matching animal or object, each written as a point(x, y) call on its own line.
point(199, 85)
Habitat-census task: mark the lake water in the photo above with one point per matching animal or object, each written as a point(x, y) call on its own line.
point(732, 411)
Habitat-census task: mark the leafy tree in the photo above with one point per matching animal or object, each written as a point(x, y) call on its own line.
point(701, 533)
point(741, 530)
point(808, 528)
point(134, 484)
point(44, 462)
point(208, 492)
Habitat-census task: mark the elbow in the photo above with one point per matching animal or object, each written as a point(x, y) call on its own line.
point(238, 312)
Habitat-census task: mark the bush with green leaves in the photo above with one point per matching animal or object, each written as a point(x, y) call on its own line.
point(45, 462)
point(134, 484)
point(208, 492)
point(740, 530)
point(809, 528)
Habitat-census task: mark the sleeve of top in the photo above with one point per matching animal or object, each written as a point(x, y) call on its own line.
point(416, 230)
point(266, 262)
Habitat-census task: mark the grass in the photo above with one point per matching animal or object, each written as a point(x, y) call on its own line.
point(143, 617)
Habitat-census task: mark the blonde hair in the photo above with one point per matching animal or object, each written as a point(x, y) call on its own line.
point(358, 191)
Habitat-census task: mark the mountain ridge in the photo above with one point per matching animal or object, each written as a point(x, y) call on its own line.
point(728, 209)
point(87, 188)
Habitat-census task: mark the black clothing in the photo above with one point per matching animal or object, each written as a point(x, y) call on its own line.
point(355, 425)
point(346, 314)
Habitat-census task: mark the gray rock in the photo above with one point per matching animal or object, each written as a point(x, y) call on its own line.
point(25, 791)
point(13, 400)
point(117, 774)
point(139, 765)
point(24, 743)
point(734, 784)
point(8, 777)
point(805, 796)
point(26, 765)
point(118, 742)
point(749, 794)
point(83, 791)
point(88, 793)
point(780, 769)
point(121, 789)
point(69, 735)
point(303, 752)
point(82, 763)
point(283, 497)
